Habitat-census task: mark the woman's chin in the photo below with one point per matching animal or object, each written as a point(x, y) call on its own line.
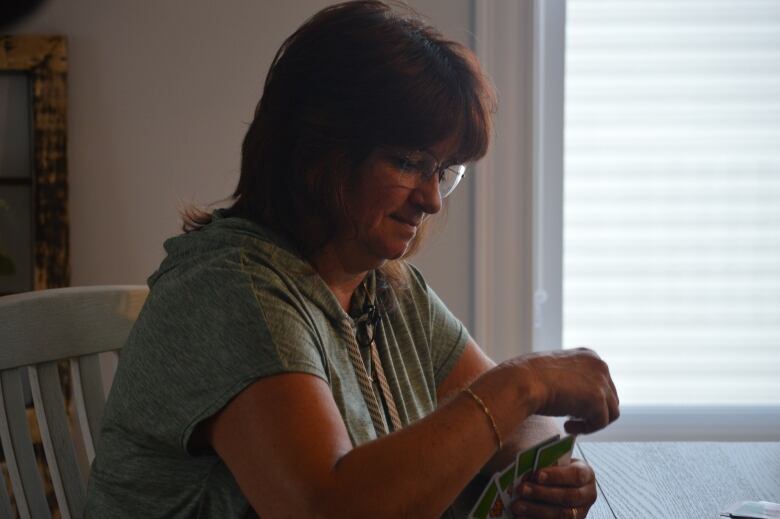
point(397, 251)
point(390, 252)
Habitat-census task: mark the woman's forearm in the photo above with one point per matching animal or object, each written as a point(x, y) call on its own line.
point(425, 465)
point(303, 463)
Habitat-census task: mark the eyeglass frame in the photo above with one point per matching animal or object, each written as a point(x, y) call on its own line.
point(403, 162)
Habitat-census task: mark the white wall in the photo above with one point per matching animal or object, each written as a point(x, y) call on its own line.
point(160, 95)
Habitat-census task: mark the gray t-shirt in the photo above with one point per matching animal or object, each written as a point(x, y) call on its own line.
point(230, 304)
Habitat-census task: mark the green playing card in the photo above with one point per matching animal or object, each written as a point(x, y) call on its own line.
point(524, 463)
point(506, 477)
point(550, 454)
point(489, 503)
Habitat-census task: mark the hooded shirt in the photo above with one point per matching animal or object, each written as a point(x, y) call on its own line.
point(230, 304)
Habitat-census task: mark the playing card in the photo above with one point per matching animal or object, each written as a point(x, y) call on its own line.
point(506, 478)
point(498, 494)
point(753, 510)
point(558, 452)
point(524, 463)
point(490, 504)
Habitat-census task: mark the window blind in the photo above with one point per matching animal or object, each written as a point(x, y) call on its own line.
point(671, 267)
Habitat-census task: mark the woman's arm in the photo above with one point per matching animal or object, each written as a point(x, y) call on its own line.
point(564, 489)
point(288, 448)
point(470, 366)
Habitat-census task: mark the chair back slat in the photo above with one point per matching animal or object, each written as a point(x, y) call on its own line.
point(104, 316)
point(57, 440)
point(109, 362)
point(89, 399)
point(39, 330)
point(26, 480)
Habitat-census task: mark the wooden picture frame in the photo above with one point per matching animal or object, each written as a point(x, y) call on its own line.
point(44, 60)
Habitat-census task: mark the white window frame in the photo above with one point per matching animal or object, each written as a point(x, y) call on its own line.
point(518, 201)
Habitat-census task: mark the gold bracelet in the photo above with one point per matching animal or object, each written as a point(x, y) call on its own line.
point(488, 414)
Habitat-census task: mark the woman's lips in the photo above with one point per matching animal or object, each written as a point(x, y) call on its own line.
point(409, 226)
point(412, 222)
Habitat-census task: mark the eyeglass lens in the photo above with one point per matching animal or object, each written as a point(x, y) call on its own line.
point(427, 165)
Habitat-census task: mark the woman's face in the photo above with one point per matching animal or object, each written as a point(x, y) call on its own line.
point(387, 207)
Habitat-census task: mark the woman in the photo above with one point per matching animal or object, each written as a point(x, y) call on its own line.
point(288, 362)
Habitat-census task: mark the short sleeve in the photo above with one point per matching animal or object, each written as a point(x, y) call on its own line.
point(447, 334)
point(199, 341)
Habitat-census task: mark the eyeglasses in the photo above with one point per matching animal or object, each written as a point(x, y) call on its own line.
point(424, 165)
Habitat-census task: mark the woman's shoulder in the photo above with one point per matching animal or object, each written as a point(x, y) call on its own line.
point(226, 251)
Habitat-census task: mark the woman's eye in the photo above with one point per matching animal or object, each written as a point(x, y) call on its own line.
point(405, 164)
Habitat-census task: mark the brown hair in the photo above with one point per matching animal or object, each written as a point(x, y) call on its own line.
point(355, 76)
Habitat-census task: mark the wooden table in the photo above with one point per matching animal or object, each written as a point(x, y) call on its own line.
point(681, 480)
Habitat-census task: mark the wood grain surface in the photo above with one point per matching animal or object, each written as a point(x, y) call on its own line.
point(684, 480)
point(600, 509)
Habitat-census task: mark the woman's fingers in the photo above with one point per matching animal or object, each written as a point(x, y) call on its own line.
point(613, 400)
point(604, 409)
point(575, 474)
point(555, 491)
point(577, 383)
point(614, 406)
point(601, 410)
point(575, 427)
point(614, 389)
point(530, 509)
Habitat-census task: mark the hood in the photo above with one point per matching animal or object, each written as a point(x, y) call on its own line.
point(225, 236)
point(222, 235)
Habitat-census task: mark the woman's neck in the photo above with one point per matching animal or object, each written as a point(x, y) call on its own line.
point(340, 278)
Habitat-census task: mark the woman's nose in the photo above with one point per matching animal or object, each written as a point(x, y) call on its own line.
point(427, 196)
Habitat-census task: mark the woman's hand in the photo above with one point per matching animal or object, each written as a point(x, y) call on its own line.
point(575, 383)
point(557, 493)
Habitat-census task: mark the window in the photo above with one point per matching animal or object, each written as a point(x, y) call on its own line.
point(671, 233)
point(660, 245)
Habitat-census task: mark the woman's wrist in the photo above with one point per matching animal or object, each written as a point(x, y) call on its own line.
point(511, 395)
point(489, 415)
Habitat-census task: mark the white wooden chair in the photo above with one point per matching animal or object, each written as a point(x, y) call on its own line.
point(37, 331)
